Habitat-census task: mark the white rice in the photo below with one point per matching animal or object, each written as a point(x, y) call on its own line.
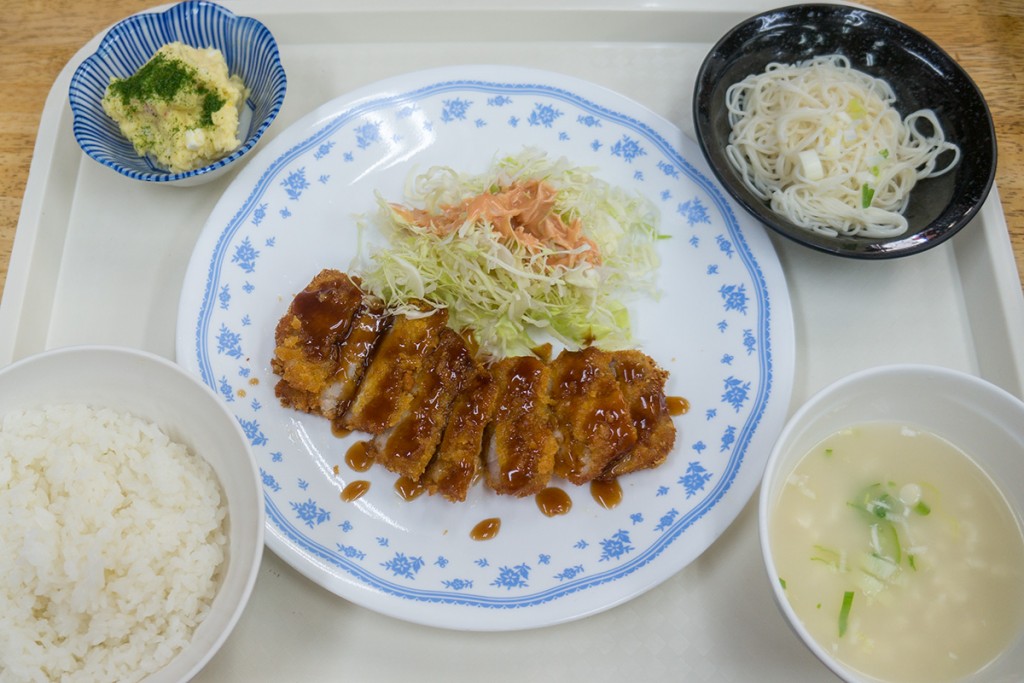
point(113, 540)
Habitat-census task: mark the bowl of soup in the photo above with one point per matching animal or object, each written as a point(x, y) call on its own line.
point(890, 521)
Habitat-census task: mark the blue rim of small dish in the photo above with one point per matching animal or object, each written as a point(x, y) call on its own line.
point(191, 22)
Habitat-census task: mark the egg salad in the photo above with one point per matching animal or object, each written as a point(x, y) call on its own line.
point(181, 108)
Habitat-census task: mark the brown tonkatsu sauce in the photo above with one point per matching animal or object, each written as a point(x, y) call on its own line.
point(408, 488)
point(324, 314)
point(607, 492)
point(486, 529)
point(522, 445)
point(358, 458)
point(390, 379)
point(440, 417)
point(355, 490)
point(677, 405)
point(591, 414)
point(553, 501)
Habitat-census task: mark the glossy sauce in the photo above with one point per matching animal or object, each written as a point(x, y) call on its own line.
point(616, 418)
point(524, 446)
point(553, 501)
point(339, 431)
point(677, 405)
point(368, 324)
point(486, 529)
point(355, 490)
point(408, 489)
point(414, 439)
point(400, 353)
point(358, 458)
point(646, 408)
point(607, 492)
point(355, 353)
point(578, 375)
point(472, 344)
point(325, 313)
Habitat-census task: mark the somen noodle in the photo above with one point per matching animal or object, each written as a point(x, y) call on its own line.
point(822, 143)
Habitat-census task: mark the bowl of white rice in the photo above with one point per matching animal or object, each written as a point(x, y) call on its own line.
point(131, 515)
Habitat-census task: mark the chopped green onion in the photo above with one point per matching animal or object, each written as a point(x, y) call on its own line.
point(884, 153)
point(866, 194)
point(782, 582)
point(844, 612)
point(827, 556)
point(881, 568)
point(889, 541)
point(870, 585)
point(828, 452)
point(922, 508)
point(875, 501)
point(912, 562)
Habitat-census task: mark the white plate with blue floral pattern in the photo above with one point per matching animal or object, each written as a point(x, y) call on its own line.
point(722, 327)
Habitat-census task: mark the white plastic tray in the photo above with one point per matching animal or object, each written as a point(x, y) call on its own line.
point(100, 259)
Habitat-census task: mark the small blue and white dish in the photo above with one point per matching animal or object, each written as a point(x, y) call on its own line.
point(248, 47)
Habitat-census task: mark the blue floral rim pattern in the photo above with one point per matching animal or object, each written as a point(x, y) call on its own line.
point(227, 336)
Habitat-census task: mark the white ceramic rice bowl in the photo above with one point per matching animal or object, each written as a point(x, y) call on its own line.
point(982, 420)
point(155, 389)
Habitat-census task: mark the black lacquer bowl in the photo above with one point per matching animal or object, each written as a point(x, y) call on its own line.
point(921, 74)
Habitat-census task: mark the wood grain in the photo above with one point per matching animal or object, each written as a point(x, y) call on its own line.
point(38, 38)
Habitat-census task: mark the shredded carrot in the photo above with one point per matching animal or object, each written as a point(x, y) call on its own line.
point(521, 213)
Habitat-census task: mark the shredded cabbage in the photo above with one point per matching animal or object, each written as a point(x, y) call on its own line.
point(507, 294)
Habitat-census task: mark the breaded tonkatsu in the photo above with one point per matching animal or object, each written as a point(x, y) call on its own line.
point(457, 464)
point(409, 446)
point(354, 356)
point(520, 449)
point(308, 335)
point(643, 386)
point(593, 420)
point(387, 387)
point(441, 417)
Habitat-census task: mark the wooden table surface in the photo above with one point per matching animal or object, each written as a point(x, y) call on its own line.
point(38, 38)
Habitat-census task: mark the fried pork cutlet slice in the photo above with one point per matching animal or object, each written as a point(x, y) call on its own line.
point(354, 355)
point(643, 385)
point(409, 446)
point(386, 391)
point(457, 463)
point(307, 338)
point(592, 418)
point(520, 453)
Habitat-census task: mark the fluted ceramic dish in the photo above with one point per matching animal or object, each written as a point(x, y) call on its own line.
point(248, 47)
